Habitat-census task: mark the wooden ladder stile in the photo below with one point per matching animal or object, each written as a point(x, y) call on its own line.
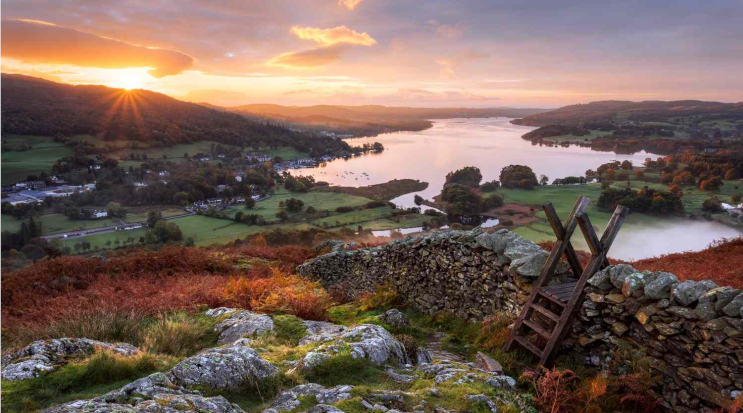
point(568, 294)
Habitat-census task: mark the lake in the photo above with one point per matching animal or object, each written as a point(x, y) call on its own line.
point(491, 144)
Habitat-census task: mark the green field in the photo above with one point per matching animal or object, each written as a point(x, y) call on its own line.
point(572, 138)
point(140, 214)
point(319, 200)
point(56, 223)
point(17, 165)
point(123, 148)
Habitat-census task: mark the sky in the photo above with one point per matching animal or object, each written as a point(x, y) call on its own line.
point(427, 53)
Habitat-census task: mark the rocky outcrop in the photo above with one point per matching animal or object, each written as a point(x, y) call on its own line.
point(156, 393)
point(44, 356)
point(237, 324)
point(366, 341)
point(691, 333)
point(395, 318)
point(289, 399)
point(226, 368)
point(468, 273)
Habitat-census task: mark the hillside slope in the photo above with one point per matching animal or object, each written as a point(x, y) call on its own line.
point(32, 106)
point(656, 111)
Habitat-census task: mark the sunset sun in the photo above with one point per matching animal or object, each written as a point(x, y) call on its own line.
point(128, 79)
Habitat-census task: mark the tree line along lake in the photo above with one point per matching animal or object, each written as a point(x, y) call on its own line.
point(493, 143)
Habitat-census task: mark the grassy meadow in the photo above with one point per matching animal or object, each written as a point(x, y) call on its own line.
point(18, 164)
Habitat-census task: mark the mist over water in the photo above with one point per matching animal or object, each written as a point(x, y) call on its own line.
point(666, 237)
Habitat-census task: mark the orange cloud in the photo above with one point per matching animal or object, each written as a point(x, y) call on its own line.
point(308, 58)
point(45, 43)
point(350, 4)
point(336, 35)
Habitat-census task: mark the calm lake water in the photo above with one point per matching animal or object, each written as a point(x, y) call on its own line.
point(491, 144)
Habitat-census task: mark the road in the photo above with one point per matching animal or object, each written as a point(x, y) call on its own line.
point(104, 230)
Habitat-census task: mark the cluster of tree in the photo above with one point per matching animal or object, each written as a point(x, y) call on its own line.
point(549, 131)
point(646, 200)
point(249, 219)
point(570, 180)
point(299, 183)
point(712, 205)
point(161, 231)
point(468, 176)
point(461, 200)
point(490, 186)
point(518, 176)
point(19, 211)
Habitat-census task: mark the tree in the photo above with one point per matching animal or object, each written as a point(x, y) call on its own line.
point(731, 174)
point(78, 246)
point(282, 216)
point(461, 201)
point(640, 174)
point(115, 209)
point(543, 179)
point(180, 198)
point(518, 176)
point(626, 165)
point(712, 205)
point(418, 200)
point(735, 198)
point(238, 216)
point(311, 210)
point(490, 186)
point(294, 205)
point(153, 216)
point(469, 175)
point(676, 190)
point(611, 174)
point(249, 202)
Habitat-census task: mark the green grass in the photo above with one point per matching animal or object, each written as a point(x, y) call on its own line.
point(572, 138)
point(56, 223)
point(288, 329)
point(353, 218)
point(140, 214)
point(179, 334)
point(17, 165)
point(97, 375)
point(319, 200)
point(285, 152)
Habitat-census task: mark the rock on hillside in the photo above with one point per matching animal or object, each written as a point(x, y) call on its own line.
point(44, 356)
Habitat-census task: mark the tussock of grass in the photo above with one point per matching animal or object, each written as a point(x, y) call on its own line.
point(288, 329)
point(100, 325)
point(97, 375)
point(342, 368)
point(179, 334)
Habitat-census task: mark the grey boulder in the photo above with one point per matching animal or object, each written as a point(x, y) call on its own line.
point(224, 369)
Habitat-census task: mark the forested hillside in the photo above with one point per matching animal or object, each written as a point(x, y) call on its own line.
point(32, 106)
point(649, 111)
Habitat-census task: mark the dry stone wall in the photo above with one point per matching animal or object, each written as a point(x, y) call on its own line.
point(690, 332)
point(469, 273)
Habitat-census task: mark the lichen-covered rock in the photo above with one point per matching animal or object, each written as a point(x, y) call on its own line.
point(689, 291)
point(156, 393)
point(633, 282)
point(47, 355)
point(239, 324)
point(375, 343)
point(481, 398)
point(289, 399)
point(618, 273)
point(395, 318)
point(423, 356)
point(224, 369)
point(320, 331)
point(733, 308)
point(661, 286)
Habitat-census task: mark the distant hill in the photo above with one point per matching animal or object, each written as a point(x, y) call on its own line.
point(32, 106)
point(613, 111)
point(366, 120)
point(378, 112)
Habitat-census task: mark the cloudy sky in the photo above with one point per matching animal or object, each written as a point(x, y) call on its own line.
point(475, 53)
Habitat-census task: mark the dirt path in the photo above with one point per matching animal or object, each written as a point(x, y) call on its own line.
point(434, 348)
